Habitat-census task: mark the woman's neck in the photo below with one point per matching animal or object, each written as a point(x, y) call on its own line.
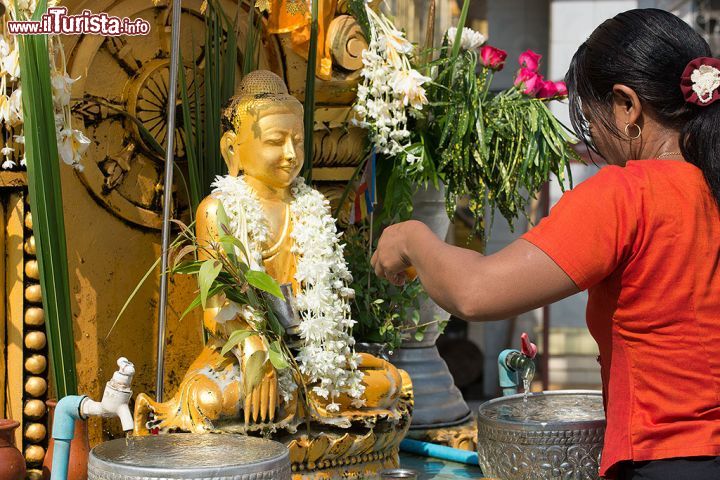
point(268, 192)
point(663, 143)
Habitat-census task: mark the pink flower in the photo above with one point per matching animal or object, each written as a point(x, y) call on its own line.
point(529, 81)
point(530, 60)
point(552, 89)
point(493, 58)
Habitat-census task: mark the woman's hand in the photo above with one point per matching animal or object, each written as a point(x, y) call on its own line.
point(392, 256)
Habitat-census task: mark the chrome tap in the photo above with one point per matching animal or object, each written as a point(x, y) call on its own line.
point(515, 365)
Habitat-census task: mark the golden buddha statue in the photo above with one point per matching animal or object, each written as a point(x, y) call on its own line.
point(287, 229)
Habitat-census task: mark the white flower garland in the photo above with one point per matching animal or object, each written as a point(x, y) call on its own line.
point(327, 357)
point(72, 143)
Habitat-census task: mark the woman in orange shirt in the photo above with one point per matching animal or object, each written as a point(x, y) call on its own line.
point(642, 236)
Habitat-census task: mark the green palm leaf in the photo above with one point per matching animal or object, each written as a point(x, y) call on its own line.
point(46, 204)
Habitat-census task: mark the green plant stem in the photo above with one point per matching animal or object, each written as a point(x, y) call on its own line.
point(309, 116)
point(461, 24)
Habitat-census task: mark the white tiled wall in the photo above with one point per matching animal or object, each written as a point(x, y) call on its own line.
point(515, 26)
point(571, 22)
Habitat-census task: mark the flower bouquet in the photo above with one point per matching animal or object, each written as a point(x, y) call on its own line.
point(439, 120)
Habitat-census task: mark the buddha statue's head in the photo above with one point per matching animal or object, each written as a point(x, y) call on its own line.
point(263, 131)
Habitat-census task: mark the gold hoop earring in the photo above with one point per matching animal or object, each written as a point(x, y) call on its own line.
point(627, 131)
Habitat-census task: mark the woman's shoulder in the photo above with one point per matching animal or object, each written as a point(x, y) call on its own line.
point(611, 180)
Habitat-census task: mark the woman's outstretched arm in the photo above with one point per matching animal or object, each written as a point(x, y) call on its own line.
point(472, 286)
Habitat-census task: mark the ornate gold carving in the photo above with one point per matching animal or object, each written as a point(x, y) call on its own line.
point(30, 246)
point(33, 293)
point(35, 340)
point(34, 409)
point(34, 317)
point(129, 75)
point(34, 454)
point(337, 144)
point(36, 364)
point(347, 42)
point(35, 386)
point(35, 357)
point(35, 432)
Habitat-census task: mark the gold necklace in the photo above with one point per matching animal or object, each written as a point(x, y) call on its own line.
point(669, 154)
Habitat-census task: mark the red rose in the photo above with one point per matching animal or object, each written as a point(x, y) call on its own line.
point(529, 81)
point(552, 89)
point(562, 89)
point(493, 58)
point(530, 60)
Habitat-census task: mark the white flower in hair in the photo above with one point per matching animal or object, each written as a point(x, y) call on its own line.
point(706, 80)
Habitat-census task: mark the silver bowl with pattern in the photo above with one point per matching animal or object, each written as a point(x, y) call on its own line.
point(553, 435)
point(186, 456)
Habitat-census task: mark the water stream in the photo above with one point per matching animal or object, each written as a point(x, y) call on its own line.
point(540, 408)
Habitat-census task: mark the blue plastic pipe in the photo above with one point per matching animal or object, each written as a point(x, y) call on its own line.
point(507, 377)
point(63, 431)
point(439, 451)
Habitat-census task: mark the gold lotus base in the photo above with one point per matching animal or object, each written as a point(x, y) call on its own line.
point(327, 455)
point(359, 470)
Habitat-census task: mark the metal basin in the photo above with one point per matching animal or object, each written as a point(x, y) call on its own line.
point(555, 435)
point(189, 457)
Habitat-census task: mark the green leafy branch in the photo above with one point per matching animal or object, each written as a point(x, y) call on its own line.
point(382, 309)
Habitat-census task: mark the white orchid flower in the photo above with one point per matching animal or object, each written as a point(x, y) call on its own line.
point(11, 63)
point(61, 86)
point(4, 47)
point(15, 108)
point(470, 39)
point(396, 39)
point(4, 109)
point(71, 146)
point(7, 153)
point(409, 84)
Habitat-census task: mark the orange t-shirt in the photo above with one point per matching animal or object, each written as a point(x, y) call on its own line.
point(644, 240)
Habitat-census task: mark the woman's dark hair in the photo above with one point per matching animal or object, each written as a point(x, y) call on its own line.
point(647, 50)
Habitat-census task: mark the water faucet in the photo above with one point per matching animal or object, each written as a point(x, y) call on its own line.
point(516, 365)
point(114, 403)
point(116, 398)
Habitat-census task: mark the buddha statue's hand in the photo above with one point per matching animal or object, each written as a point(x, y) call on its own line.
point(260, 381)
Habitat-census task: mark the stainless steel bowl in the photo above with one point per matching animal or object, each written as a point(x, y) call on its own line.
point(396, 473)
point(190, 457)
point(555, 435)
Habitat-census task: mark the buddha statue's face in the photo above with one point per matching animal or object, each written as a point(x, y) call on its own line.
point(267, 146)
